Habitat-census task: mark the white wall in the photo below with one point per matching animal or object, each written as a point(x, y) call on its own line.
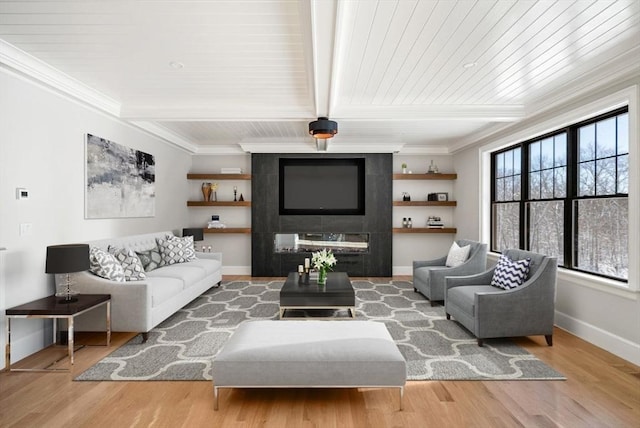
point(236, 248)
point(42, 137)
point(606, 313)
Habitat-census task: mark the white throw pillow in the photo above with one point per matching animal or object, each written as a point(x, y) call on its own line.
point(457, 255)
point(176, 250)
point(510, 274)
point(105, 265)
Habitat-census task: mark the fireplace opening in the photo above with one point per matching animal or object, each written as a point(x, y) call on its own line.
point(339, 243)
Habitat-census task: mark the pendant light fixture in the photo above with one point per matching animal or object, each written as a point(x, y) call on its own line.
point(323, 128)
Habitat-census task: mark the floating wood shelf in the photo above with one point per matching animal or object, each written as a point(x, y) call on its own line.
point(424, 203)
point(218, 203)
point(229, 230)
point(425, 176)
point(424, 230)
point(219, 176)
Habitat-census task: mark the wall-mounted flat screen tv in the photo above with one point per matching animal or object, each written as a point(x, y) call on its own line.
point(326, 186)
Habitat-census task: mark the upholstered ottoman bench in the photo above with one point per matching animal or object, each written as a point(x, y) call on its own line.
point(309, 354)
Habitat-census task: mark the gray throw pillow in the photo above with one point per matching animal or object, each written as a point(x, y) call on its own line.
point(131, 264)
point(150, 259)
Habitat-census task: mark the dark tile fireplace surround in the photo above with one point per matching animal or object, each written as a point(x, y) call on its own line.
point(269, 259)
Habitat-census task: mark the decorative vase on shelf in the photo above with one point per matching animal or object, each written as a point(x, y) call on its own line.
point(322, 276)
point(206, 191)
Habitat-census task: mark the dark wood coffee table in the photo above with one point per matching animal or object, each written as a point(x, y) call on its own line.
point(298, 292)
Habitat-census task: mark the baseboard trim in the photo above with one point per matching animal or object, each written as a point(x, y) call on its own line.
point(236, 270)
point(610, 342)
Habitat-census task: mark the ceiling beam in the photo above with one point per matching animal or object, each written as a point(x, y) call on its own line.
point(323, 30)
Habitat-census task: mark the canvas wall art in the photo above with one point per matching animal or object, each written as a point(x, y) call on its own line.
point(120, 181)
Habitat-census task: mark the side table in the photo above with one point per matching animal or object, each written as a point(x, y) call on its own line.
point(53, 307)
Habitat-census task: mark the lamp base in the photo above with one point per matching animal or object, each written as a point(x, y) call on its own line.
point(68, 299)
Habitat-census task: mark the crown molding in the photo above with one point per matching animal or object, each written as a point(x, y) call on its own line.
point(428, 150)
point(21, 62)
point(308, 145)
point(220, 150)
point(163, 133)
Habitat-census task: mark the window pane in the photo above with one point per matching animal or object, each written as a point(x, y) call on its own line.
point(534, 185)
point(587, 177)
point(516, 161)
point(546, 228)
point(546, 188)
point(623, 133)
point(506, 226)
point(560, 148)
point(602, 227)
point(606, 138)
point(508, 189)
point(500, 165)
point(508, 163)
point(606, 176)
point(560, 181)
point(516, 187)
point(587, 143)
point(534, 156)
point(623, 174)
point(500, 189)
point(547, 155)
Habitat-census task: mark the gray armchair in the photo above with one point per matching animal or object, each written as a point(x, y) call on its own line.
point(490, 312)
point(429, 275)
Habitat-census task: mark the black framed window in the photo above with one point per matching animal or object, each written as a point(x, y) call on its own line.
point(571, 201)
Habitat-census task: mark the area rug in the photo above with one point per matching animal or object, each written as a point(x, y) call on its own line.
point(183, 346)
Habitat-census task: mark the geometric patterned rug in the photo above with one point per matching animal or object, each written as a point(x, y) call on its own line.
point(183, 346)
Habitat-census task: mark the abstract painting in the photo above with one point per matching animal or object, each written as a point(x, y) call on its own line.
point(120, 181)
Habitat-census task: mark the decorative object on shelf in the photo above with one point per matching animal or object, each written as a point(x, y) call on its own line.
point(406, 197)
point(404, 168)
point(409, 223)
point(231, 170)
point(196, 232)
point(443, 196)
point(215, 223)
point(67, 259)
point(323, 261)
point(432, 197)
point(209, 191)
point(433, 168)
point(235, 193)
point(404, 222)
point(434, 222)
point(241, 198)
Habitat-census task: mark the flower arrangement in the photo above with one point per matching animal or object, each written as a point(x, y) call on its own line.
point(323, 261)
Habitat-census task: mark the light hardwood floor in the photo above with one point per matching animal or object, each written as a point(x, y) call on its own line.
point(601, 390)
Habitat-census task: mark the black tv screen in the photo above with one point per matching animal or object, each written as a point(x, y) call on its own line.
point(322, 186)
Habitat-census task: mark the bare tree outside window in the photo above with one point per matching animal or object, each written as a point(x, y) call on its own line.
point(576, 211)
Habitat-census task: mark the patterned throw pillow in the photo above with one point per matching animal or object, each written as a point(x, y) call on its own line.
point(105, 265)
point(457, 255)
point(150, 259)
point(176, 250)
point(510, 274)
point(131, 264)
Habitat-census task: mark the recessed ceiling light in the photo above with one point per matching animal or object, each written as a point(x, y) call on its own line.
point(470, 65)
point(177, 65)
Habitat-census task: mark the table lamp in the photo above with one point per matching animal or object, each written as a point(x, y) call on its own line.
point(66, 259)
point(196, 232)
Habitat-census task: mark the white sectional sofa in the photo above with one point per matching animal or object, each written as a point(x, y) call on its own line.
point(139, 306)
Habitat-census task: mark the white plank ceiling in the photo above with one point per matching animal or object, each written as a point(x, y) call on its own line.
point(415, 76)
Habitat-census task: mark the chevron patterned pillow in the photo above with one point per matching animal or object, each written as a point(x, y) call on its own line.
point(510, 274)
